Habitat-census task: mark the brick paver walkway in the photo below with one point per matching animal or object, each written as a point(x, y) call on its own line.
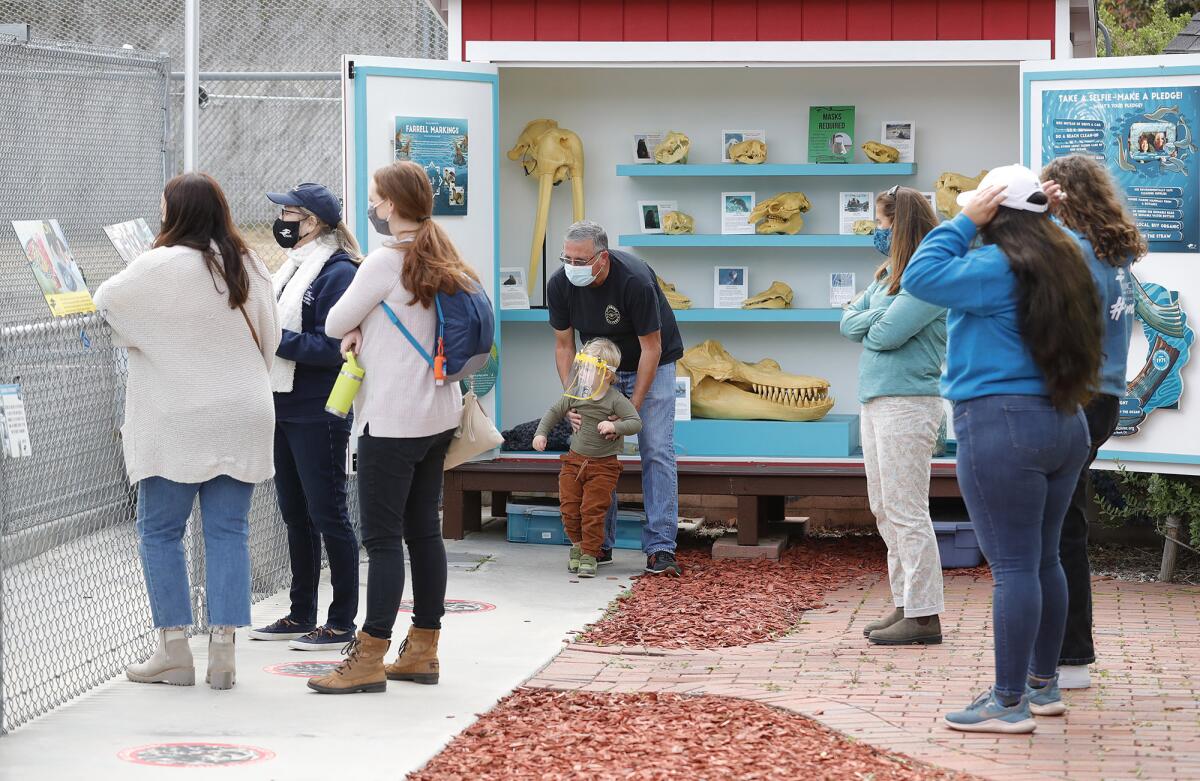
point(1140, 719)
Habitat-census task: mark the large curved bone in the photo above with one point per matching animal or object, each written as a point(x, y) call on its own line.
point(948, 186)
point(552, 154)
point(725, 388)
point(780, 214)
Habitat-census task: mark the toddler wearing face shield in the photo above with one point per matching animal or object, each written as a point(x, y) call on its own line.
point(590, 468)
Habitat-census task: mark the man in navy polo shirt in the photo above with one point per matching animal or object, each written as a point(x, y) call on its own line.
point(606, 293)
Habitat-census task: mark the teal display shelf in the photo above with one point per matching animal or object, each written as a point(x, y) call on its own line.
point(834, 436)
point(743, 240)
point(771, 169)
point(706, 316)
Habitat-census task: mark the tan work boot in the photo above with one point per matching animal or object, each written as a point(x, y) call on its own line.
point(885, 622)
point(418, 661)
point(926, 630)
point(222, 671)
point(171, 663)
point(360, 671)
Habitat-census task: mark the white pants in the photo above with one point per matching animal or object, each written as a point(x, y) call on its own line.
point(898, 435)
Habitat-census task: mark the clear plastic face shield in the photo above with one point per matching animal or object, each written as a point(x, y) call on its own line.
point(589, 378)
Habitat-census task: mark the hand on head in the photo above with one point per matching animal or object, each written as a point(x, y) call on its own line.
point(984, 205)
point(1054, 191)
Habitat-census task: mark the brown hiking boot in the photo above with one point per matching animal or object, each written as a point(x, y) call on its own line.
point(910, 631)
point(360, 671)
point(418, 661)
point(885, 622)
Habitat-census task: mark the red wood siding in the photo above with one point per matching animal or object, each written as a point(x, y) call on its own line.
point(764, 20)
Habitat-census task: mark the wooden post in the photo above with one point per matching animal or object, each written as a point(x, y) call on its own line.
point(1170, 550)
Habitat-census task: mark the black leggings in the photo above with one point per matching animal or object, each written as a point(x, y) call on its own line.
point(399, 488)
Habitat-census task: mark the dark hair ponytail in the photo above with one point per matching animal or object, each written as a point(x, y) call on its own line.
point(1058, 307)
point(197, 216)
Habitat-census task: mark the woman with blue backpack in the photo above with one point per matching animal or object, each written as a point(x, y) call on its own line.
point(405, 416)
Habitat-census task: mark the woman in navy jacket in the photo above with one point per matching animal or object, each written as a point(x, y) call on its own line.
point(310, 443)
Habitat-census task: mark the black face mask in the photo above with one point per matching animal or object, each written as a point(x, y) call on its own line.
point(287, 234)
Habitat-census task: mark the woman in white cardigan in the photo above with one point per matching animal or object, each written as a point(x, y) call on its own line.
point(197, 314)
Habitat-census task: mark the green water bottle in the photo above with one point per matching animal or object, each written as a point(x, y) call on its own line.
point(346, 388)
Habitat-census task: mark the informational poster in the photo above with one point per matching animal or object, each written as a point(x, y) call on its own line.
point(53, 267)
point(853, 207)
point(683, 398)
point(439, 145)
point(831, 134)
point(644, 145)
point(841, 288)
point(731, 137)
point(1169, 338)
point(731, 286)
point(735, 212)
point(651, 214)
point(130, 238)
point(512, 289)
point(901, 135)
point(14, 430)
point(1144, 137)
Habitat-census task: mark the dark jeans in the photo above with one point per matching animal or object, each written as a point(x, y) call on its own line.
point(310, 481)
point(399, 485)
point(1077, 646)
point(1018, 462)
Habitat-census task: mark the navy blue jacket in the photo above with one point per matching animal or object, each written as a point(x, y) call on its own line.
point(318, 357)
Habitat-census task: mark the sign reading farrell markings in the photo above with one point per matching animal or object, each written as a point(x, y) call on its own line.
point(454, 606)
point(195, 755)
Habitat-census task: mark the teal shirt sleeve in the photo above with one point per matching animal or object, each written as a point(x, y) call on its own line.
point(858, 316)
point(904, 319)
point(945, 272)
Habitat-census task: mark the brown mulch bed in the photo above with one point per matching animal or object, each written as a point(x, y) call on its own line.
point(720, 603)
point(547, 735)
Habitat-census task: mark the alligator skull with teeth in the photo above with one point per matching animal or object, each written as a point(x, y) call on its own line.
point(725, 388)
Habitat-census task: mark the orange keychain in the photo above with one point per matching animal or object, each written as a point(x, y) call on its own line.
point(439, 365)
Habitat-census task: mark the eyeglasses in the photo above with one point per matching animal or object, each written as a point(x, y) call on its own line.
point(566, 261)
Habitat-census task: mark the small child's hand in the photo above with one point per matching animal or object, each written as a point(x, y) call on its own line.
point(606, 427)
point(539, 443)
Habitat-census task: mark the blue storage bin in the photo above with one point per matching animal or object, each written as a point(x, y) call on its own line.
point(957, 545)
point(542, 525)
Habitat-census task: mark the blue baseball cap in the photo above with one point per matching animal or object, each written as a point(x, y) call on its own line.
point(317, 198)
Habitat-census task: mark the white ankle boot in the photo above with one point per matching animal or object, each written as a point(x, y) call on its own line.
point(171, 663)
point(222, 673)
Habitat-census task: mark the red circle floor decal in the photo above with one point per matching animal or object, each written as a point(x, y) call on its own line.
point(454, 606)
point(195, 755)
point(305, 669)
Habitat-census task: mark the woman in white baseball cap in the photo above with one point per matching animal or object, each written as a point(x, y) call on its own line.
point(1024, 353)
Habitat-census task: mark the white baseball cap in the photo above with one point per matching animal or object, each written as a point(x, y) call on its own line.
point(1020, 184)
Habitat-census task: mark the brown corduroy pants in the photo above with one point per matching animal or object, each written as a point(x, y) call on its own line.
point(585, 488)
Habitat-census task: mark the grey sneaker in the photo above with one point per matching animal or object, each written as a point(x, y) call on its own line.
point(587, 566)
point(573, 560)
point(988, 714)
point(883, 623)
point(1046, 701)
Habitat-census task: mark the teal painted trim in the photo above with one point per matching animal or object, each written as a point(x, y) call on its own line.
point(706, 315)
point(742, 240)
point(834, 436)
point(1148, 458)
point(421, 73)
point(498, 388)
point(770, 169)
point(1104, 73)
point(361, 223)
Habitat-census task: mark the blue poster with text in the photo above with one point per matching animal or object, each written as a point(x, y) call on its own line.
point(438, 145)
point(1144, 137)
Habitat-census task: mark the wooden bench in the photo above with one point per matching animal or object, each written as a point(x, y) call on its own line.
point(761, 489)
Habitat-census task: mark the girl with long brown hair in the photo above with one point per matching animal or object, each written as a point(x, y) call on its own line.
point(904, 345)
point(1024, 354)
point(1084, 197)
point(404, 421)
point(197, 315)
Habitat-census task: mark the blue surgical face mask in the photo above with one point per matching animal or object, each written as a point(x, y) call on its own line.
point(580, 276)
point(378, 223)
point(883, 240)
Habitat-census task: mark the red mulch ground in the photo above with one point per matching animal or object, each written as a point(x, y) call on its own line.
point(719, 603)
point(540, 734)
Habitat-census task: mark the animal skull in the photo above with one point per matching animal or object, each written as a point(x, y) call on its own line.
point(881, 153)
point(675, 299)
point(673, 149)
point(678, 222)
point(777, 296)
point(948, 186)
point(863, 227)
point(724, 388)
point(751, 152)
point(780, 214)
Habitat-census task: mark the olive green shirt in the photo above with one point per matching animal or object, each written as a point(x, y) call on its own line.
point(588, 441)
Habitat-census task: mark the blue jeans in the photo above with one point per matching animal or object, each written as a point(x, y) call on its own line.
point(1018, 462)
point(162, 514)
point(660, 481)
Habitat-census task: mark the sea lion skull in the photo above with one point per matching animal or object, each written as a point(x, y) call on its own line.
point(863, 227)
point(750, 152)
point(678, 222)
point(673, 149)
point(948, 186)
point(881, 153)
point(780, 214)
point(724, 388)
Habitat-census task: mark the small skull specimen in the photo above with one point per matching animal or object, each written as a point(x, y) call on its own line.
point(724, 388)
point(750, 152)
point(678, 222)
point(948, 187)
point(777, 296)
point(863, 227)
point(673, 149)
point(780, 214)
point(881, 153)
point(675, 299)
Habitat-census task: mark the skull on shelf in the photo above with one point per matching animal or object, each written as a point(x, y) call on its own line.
point(780, 214)
point(724, 388)
point(678, 222)
point(750, 152)
point(675, 299)
point(777, 296)
point(949, 186)
point(881, 153)
point(863, 227)
point(673, 149)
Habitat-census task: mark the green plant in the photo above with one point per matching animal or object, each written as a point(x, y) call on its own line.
point(1157, 497)
point(1142, 27)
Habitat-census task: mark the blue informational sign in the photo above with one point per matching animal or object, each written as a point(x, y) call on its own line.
point(1144, 137)
point(438, 145)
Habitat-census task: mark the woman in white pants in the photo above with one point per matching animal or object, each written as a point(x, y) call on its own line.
point(904, 346)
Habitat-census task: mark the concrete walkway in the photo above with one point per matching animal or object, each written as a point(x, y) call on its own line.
point(1140, 719)
point(519, 605)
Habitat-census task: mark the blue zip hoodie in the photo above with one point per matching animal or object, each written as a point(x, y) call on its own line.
point(318, 357)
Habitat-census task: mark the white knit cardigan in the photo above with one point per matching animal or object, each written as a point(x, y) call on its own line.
point(198, 401)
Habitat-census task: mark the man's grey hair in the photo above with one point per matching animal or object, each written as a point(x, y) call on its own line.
point(586, 230)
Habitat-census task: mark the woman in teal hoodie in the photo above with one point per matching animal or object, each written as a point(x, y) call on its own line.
point(904, 345)
point(1024, 353)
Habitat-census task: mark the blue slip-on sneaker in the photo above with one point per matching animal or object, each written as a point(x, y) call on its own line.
point(283, 629)
point(1046, 701)
point(988, 714)
point(323, 637)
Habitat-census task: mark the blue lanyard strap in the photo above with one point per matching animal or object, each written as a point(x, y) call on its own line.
point(408, 334)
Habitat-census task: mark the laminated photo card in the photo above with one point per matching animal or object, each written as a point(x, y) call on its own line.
point(735, 211)
point(903, 136)
point(852, 207)
point(841, 288)
point(643, 146)
point(731, 137)
point(651, 213)
point(512, 289)
point(731, 286)
point(683, 398)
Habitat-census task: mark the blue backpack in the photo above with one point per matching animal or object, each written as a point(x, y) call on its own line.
point(465, 333)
